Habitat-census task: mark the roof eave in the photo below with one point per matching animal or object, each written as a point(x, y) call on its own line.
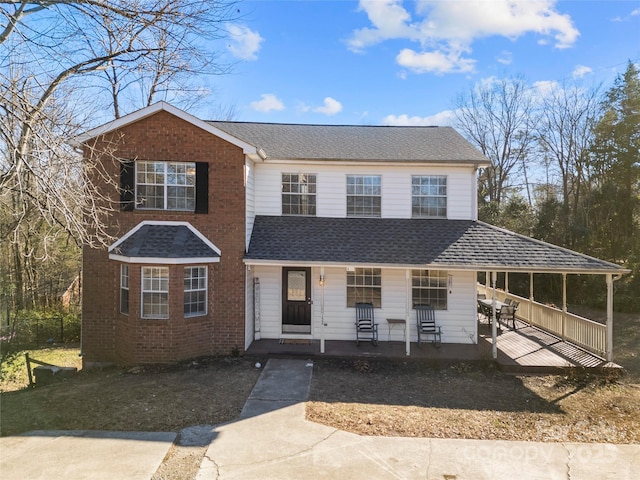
point(163, 261)
point(436, 266)
point(152, 110)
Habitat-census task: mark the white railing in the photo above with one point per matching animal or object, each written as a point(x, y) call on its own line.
point(580, 331)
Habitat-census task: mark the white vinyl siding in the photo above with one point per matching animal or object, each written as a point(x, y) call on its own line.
point(331, 190)
point(458, 322)
point(250, 199)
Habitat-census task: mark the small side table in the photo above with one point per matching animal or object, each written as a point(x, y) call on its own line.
point(393, 322)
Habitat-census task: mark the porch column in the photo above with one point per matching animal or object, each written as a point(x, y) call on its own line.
point(407, 317)
point(506, 283)
point(494, 327)
point(609, 355)
point(564, 306)
point(322, 325)
point(530, 297)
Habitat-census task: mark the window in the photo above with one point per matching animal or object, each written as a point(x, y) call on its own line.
point(195, 291)
point(364, 285)
point(166, 185)
point(124, 289)
point(299, 194)
point(364, 195)
point(429, 287)
point(155, 292)
point(429, 196)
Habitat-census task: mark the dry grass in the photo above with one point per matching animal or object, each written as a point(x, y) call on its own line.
point(203, 392)
point(463, 401)
point(363, 396)
point(460, 401)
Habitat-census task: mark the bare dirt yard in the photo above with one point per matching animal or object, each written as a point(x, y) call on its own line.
point(368, 397)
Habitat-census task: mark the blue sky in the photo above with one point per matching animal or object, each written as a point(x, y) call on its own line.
point(399, 62)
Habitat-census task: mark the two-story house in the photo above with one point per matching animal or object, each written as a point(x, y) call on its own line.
point(231, 232)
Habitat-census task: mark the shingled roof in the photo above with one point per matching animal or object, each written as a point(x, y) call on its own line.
point(353, 143)
point(426, 243)
point(164, 243)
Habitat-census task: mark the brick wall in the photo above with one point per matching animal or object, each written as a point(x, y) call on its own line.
point(109, 336)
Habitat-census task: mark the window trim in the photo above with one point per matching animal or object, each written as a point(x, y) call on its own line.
point(144, 291)
point(358, 210)
point(440, 178)
point(165, 186)
point(365, 274)
point(308, 195)
point(124, 287)
point(443, 284)
point(205, 277)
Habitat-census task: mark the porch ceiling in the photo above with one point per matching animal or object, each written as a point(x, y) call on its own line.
point(412, 243)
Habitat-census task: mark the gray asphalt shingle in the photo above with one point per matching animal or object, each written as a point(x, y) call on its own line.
point(164, 241)
point(350, 142)
point(462, 244)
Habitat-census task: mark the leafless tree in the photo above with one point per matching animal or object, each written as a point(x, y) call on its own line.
point(565, 134)
point(497, 116)
point(57, 60)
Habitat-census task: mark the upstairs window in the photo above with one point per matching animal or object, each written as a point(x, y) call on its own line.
point(364, 196)
point(155, 185)
point(429, 287)
point(299, 194)
point(166, 185)
point(364, 285)
point(429, 196)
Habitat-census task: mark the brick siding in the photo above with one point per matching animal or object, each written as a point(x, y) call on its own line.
point(110, 337)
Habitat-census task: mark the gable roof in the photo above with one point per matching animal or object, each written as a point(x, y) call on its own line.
point(410, 243)
point(152, 110)
point(164, 243)
point(357, 143)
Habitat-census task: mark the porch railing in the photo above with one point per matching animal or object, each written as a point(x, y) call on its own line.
point(580, 331)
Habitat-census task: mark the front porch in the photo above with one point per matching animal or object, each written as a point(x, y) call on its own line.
point(524, 350)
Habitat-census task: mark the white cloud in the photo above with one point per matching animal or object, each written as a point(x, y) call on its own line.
point(268, 103)
point(437, 62)
point(581, 70)
point(447, 29)
point(330, 107)
point(245, 43)
point(635, 12)
point(446, 117)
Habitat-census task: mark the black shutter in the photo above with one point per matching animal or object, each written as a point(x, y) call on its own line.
point(202, 187)
point(127, 190)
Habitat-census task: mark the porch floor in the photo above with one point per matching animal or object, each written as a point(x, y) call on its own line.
point(526, 350)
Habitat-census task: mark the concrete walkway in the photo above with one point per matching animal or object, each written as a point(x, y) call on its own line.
point(83, 455)
point(272, 440)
